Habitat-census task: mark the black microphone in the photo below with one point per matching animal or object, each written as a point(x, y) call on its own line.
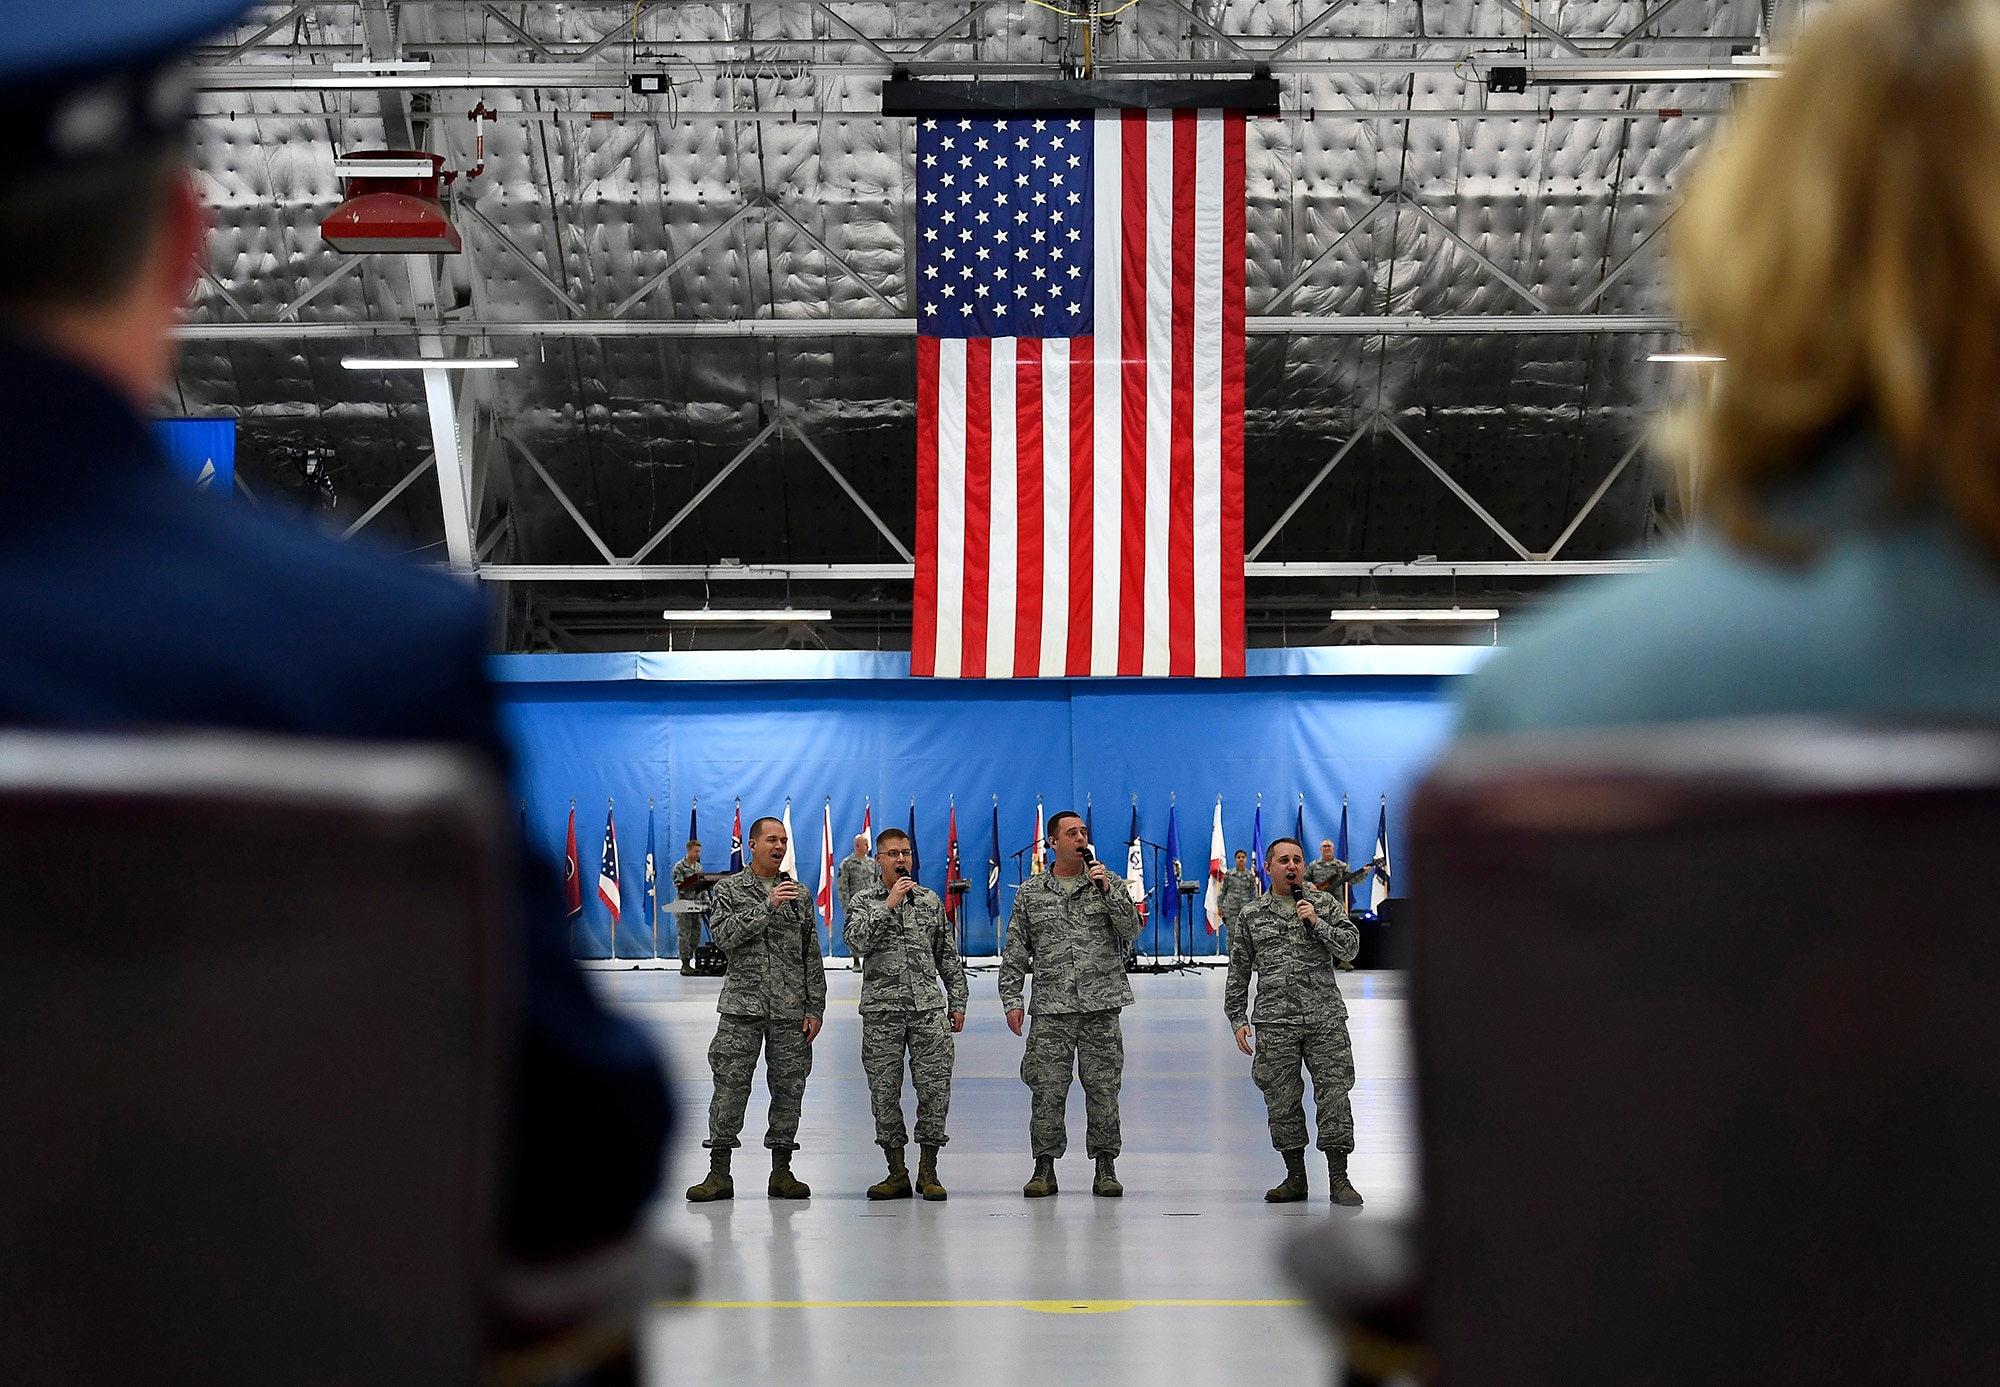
point(1089, 861)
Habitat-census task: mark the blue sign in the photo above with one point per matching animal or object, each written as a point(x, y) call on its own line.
point(201, 450)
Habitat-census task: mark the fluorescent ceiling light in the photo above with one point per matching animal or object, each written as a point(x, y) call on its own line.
point(387, 65)
point(1391, 615)
point(429, 363)
point(746, 614)
point(384, 168)
point(1686, 358)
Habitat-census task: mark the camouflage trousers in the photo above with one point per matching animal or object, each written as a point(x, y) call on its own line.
point(926, 1037)
point(1285, 1053)
point(687, 931)
point(732, 1058)
point(1090, 1045)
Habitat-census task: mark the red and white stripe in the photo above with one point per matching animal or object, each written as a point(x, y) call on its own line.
point(1080, 500)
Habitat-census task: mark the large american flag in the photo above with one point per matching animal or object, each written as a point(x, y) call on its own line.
point(1080, 395)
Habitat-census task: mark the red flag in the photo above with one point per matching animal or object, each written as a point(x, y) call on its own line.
point(951, 873)
point(572, 882)
point(826, 869)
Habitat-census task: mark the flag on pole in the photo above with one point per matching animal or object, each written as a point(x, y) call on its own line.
point(916, 863)
point(1217, 851)
point(694, 813)
point(653, 878)
point(1257, 847)
point(1135, 864)
point(993, 869)
point(1380, 892)
point(1080, 395)
point(789, 864)
point(825, 898)
point(524, 821)
point(607, 870)
point(736, 841)
point(868, 828)
point(1340, 851)
point(951, 872)
point(1089, 824)
point(1170, 904)
point(572, 872)
point(1041, 839)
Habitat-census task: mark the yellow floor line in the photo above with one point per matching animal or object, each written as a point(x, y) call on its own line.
point(1046, 1307)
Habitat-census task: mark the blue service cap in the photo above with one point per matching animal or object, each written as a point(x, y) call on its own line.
point(82, 80)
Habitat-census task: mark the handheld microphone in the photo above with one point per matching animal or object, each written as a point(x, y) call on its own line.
point(1090, 860)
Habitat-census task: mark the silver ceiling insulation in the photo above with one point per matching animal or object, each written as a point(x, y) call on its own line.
point(1368, 199)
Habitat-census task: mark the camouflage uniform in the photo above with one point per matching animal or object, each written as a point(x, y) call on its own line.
point(1073, 937)
point(905, 952)
point(1330, 877)
point(687, 928)
point(775, 981)
point(1239, 887)
point(1300, 1017)
point(857, 874)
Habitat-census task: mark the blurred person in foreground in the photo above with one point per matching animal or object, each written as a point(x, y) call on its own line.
point(1840, 248)
point(129, 600)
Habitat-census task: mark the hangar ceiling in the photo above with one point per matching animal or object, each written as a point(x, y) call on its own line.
point(1453, 289)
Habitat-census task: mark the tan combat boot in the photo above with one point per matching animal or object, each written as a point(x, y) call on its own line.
point(784, 1184)
point(1344, 1194)
point(896, 1184)
point(1106, 1185)
point(927, 1181)
point(718, 1185)
point(1293, 1188)
point(1043, 1182)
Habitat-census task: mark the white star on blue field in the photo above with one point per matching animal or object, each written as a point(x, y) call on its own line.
point(1004, 222)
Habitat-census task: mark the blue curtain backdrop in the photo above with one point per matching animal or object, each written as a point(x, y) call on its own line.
point(887, 740)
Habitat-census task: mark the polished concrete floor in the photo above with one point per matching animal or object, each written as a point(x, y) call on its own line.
point(1175, 1283)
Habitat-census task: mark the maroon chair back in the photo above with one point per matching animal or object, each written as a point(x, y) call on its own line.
point(1708, 1025)
point(251, 995)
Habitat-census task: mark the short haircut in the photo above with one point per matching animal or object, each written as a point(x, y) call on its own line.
point(1324, 842)
point(1277, 843)
point(757, 825)
point(694, 842)
point(77, 236)
point(886, 834)
point(1057, 820)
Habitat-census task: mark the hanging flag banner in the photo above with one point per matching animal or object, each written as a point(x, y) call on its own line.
point(1080, 357)
point(1299, 828)
point(1170, 889)
point(916, 863)
point(788, 865)
point(1041, 841)
point(736, 840)
point(868, 829)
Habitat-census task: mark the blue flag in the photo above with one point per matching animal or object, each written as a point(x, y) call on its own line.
point(1257, 849)
point(1089, 829)
point(1382, 885)
point(1340, 848)
point(1170, 888)
point(916, 862)
point(1299, 828)
point(993, 871)
point(653, 880)
point(694, 834)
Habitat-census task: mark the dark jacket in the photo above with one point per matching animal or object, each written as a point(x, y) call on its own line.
point(129, 600)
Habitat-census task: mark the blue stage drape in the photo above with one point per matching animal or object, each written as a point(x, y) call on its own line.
point(889, 740)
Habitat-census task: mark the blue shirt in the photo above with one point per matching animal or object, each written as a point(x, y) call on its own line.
point(1894, 616)
point(130, 600)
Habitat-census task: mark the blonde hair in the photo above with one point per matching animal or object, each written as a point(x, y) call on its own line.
point(1841, 248)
